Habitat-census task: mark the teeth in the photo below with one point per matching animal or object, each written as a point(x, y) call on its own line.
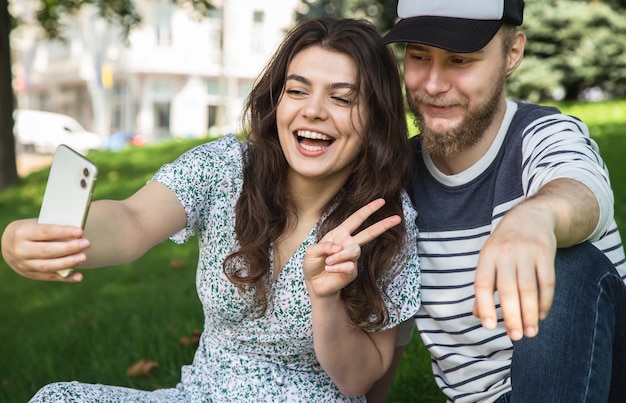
point(313, 135)
point(311, 148)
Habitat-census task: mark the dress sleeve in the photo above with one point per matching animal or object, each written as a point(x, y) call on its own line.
point(203, 178)
point(559, 146)
point(404, 291)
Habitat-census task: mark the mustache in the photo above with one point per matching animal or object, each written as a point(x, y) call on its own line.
point(437, 102)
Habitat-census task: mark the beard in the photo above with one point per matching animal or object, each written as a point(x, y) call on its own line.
point(453, 141)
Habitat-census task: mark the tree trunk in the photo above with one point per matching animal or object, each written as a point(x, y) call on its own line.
point(8, 166)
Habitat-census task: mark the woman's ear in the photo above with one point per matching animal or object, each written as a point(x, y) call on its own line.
point(516, 53)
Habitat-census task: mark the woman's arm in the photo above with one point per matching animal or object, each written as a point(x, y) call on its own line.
point(353, 358)
point(116, 232)
point(122, 231)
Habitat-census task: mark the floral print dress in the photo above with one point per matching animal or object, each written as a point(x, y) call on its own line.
point(240, 357)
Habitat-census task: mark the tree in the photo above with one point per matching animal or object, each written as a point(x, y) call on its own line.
point(573, 50)
point(8, 168)
point(381, 12)
point(50, 17)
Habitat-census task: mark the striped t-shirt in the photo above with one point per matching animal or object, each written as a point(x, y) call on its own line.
point(457, 213)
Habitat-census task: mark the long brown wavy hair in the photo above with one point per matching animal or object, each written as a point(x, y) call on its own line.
point(265, 206)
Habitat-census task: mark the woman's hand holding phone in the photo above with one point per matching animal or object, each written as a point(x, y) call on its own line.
point(68, 192)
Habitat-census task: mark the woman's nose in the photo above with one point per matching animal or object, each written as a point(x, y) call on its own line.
point(315, 108)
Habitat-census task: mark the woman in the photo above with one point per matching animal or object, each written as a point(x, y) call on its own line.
point(306, 267)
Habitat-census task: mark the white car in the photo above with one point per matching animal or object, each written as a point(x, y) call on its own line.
point(42, 132)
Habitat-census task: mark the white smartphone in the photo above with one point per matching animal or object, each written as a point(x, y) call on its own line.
point(68, 193)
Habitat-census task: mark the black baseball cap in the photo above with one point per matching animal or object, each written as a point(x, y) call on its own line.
point(463, 26)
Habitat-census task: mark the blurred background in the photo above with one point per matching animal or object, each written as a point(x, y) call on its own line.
point(138, 71)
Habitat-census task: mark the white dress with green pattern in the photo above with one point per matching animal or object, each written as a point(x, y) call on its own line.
point(242, 359)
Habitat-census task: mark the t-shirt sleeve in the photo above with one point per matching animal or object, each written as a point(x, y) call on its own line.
point(404, 291)
point(559, 146)
point(200, 178)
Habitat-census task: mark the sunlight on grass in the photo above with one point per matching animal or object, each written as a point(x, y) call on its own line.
point(597, 113)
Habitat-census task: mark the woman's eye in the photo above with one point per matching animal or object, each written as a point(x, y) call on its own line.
point(343, 101)
point(295, 92)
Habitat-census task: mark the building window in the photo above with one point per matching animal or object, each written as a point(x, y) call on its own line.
point(162, 116)
point(163, 87)
point(213, 87)
point(212, 118)
point(258, 27)
point(118, 103)
point(258, 17)
point(162, 24)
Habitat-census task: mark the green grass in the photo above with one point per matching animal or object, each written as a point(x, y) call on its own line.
point(94, 331)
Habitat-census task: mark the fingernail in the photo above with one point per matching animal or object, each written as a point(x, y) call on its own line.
point(489, 323)
point(515, 334)
point(531, 331)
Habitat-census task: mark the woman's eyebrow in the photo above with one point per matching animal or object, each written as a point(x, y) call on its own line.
point(304, 80)
point(298, 78)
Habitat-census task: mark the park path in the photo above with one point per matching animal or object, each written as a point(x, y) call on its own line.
point(27, 163)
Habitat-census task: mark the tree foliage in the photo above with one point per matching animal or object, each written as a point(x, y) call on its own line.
point(50, 16)
point(381, 12)
point(573, 50)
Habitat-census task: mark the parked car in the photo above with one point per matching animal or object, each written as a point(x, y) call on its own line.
point(124, 138)
point(42, 132)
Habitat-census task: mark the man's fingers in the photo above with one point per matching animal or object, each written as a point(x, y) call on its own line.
point(484, 287)
point(547, 282)
point(528, 298)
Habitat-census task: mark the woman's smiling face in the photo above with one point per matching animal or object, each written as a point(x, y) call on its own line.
point(318, 118)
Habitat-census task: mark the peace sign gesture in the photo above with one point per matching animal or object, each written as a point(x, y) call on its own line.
point(331, 264)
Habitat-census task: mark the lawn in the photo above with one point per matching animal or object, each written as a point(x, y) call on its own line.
point(95, 331)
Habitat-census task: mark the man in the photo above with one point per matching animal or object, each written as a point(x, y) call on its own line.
point(522, 264)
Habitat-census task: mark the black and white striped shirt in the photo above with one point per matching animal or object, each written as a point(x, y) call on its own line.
point(456, 215)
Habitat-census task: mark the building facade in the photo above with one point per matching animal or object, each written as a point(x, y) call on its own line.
point(176, 75)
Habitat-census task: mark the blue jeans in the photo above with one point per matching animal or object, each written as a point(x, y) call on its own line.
point(579, 354)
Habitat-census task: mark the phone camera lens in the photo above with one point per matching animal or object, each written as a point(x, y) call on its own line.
point(83, 183)
point(85, 172)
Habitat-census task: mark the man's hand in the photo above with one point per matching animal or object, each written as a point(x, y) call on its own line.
point(518, 261)
point(518, 258)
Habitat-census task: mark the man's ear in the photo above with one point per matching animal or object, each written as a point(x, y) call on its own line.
point(516, 53)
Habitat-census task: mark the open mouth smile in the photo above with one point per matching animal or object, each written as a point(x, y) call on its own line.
point(313, 141)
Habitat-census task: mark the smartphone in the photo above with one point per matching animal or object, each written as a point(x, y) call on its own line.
point(69, 189)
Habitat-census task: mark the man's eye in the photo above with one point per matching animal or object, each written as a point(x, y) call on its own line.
point(461, 60)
